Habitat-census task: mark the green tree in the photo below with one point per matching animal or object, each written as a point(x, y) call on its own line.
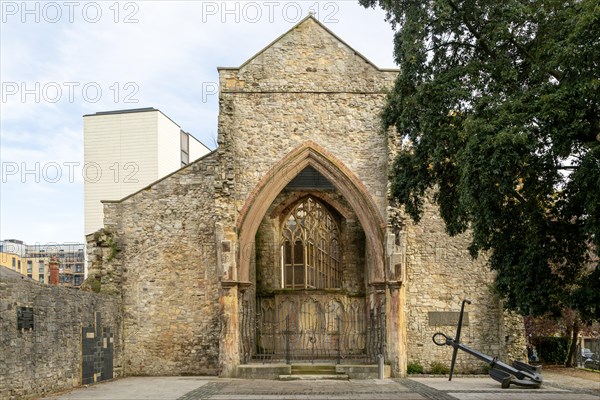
point(497, 107)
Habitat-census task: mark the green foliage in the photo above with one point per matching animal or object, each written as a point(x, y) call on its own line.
point(93, 284)
point(552, 349)
point(437, 368)
point(497, 106)
point(113, 249)
point(414, 368)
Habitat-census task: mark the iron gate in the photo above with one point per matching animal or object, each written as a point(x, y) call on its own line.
point(305, 329)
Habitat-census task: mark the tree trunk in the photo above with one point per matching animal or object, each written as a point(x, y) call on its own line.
point(571, 357)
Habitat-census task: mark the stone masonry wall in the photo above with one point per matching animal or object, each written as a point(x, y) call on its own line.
point(48, 358)
point(166, 251)
point(306, 86)
point(440, 274)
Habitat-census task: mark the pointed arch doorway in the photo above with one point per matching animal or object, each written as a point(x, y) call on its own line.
point(316, 258)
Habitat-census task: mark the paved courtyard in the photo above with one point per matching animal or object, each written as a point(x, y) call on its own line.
point(461, 388)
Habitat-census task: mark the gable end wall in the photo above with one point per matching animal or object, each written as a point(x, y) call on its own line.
point(166, 254)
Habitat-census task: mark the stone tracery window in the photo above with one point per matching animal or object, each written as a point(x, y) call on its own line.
point(310, 248)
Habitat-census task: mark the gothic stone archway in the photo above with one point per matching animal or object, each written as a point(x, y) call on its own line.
point(359, 200)
point(311, 154)
point(307, 301)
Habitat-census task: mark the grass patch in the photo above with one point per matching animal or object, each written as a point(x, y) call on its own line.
point(437, 368)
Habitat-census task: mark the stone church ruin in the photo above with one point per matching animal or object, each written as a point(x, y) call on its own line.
point(282, 246)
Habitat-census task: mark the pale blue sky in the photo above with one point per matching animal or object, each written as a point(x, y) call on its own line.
point(55, 56)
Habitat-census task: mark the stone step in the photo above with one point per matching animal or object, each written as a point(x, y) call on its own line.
point(319, 377)
point(274, 371)
point(313, 370)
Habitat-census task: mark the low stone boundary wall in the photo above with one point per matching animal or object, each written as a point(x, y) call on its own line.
point(43, 347)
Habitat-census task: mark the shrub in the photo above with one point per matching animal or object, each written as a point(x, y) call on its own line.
point(552, 349)
point(485, 368)
point(92, 283)
point(414, 368)
point(437, 368)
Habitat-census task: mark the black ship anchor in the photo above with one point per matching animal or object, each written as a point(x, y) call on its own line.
point(519, 373)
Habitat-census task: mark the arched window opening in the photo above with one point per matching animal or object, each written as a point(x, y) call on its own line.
point(310, 248)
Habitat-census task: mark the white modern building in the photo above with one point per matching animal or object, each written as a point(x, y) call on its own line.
point(126, 150)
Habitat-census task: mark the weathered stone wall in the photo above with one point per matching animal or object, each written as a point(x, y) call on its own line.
point(165, 238)
point(104, 272)
point(515, 338)
point(440, 274)
point(48, 358)
point(307, 86)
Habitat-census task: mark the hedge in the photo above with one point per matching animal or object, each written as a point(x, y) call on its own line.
point(552, 349)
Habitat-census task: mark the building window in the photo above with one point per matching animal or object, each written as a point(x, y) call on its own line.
point(77, 280)
point(185, 148)
point(78, 268)
point(310, 248)
point(41, 267)
point(41, 278)
point(19, 264)
point(14, 261)
point(29, 267)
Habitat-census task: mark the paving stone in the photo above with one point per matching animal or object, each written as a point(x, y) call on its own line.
point(204, 392)
point(164, 388)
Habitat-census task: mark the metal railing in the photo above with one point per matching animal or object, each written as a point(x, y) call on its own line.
point(307, 331)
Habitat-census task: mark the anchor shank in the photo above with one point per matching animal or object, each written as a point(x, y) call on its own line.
point(457, 337)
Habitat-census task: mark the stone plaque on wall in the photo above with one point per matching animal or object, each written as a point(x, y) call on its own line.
point(437, 318)
point(24, 318)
